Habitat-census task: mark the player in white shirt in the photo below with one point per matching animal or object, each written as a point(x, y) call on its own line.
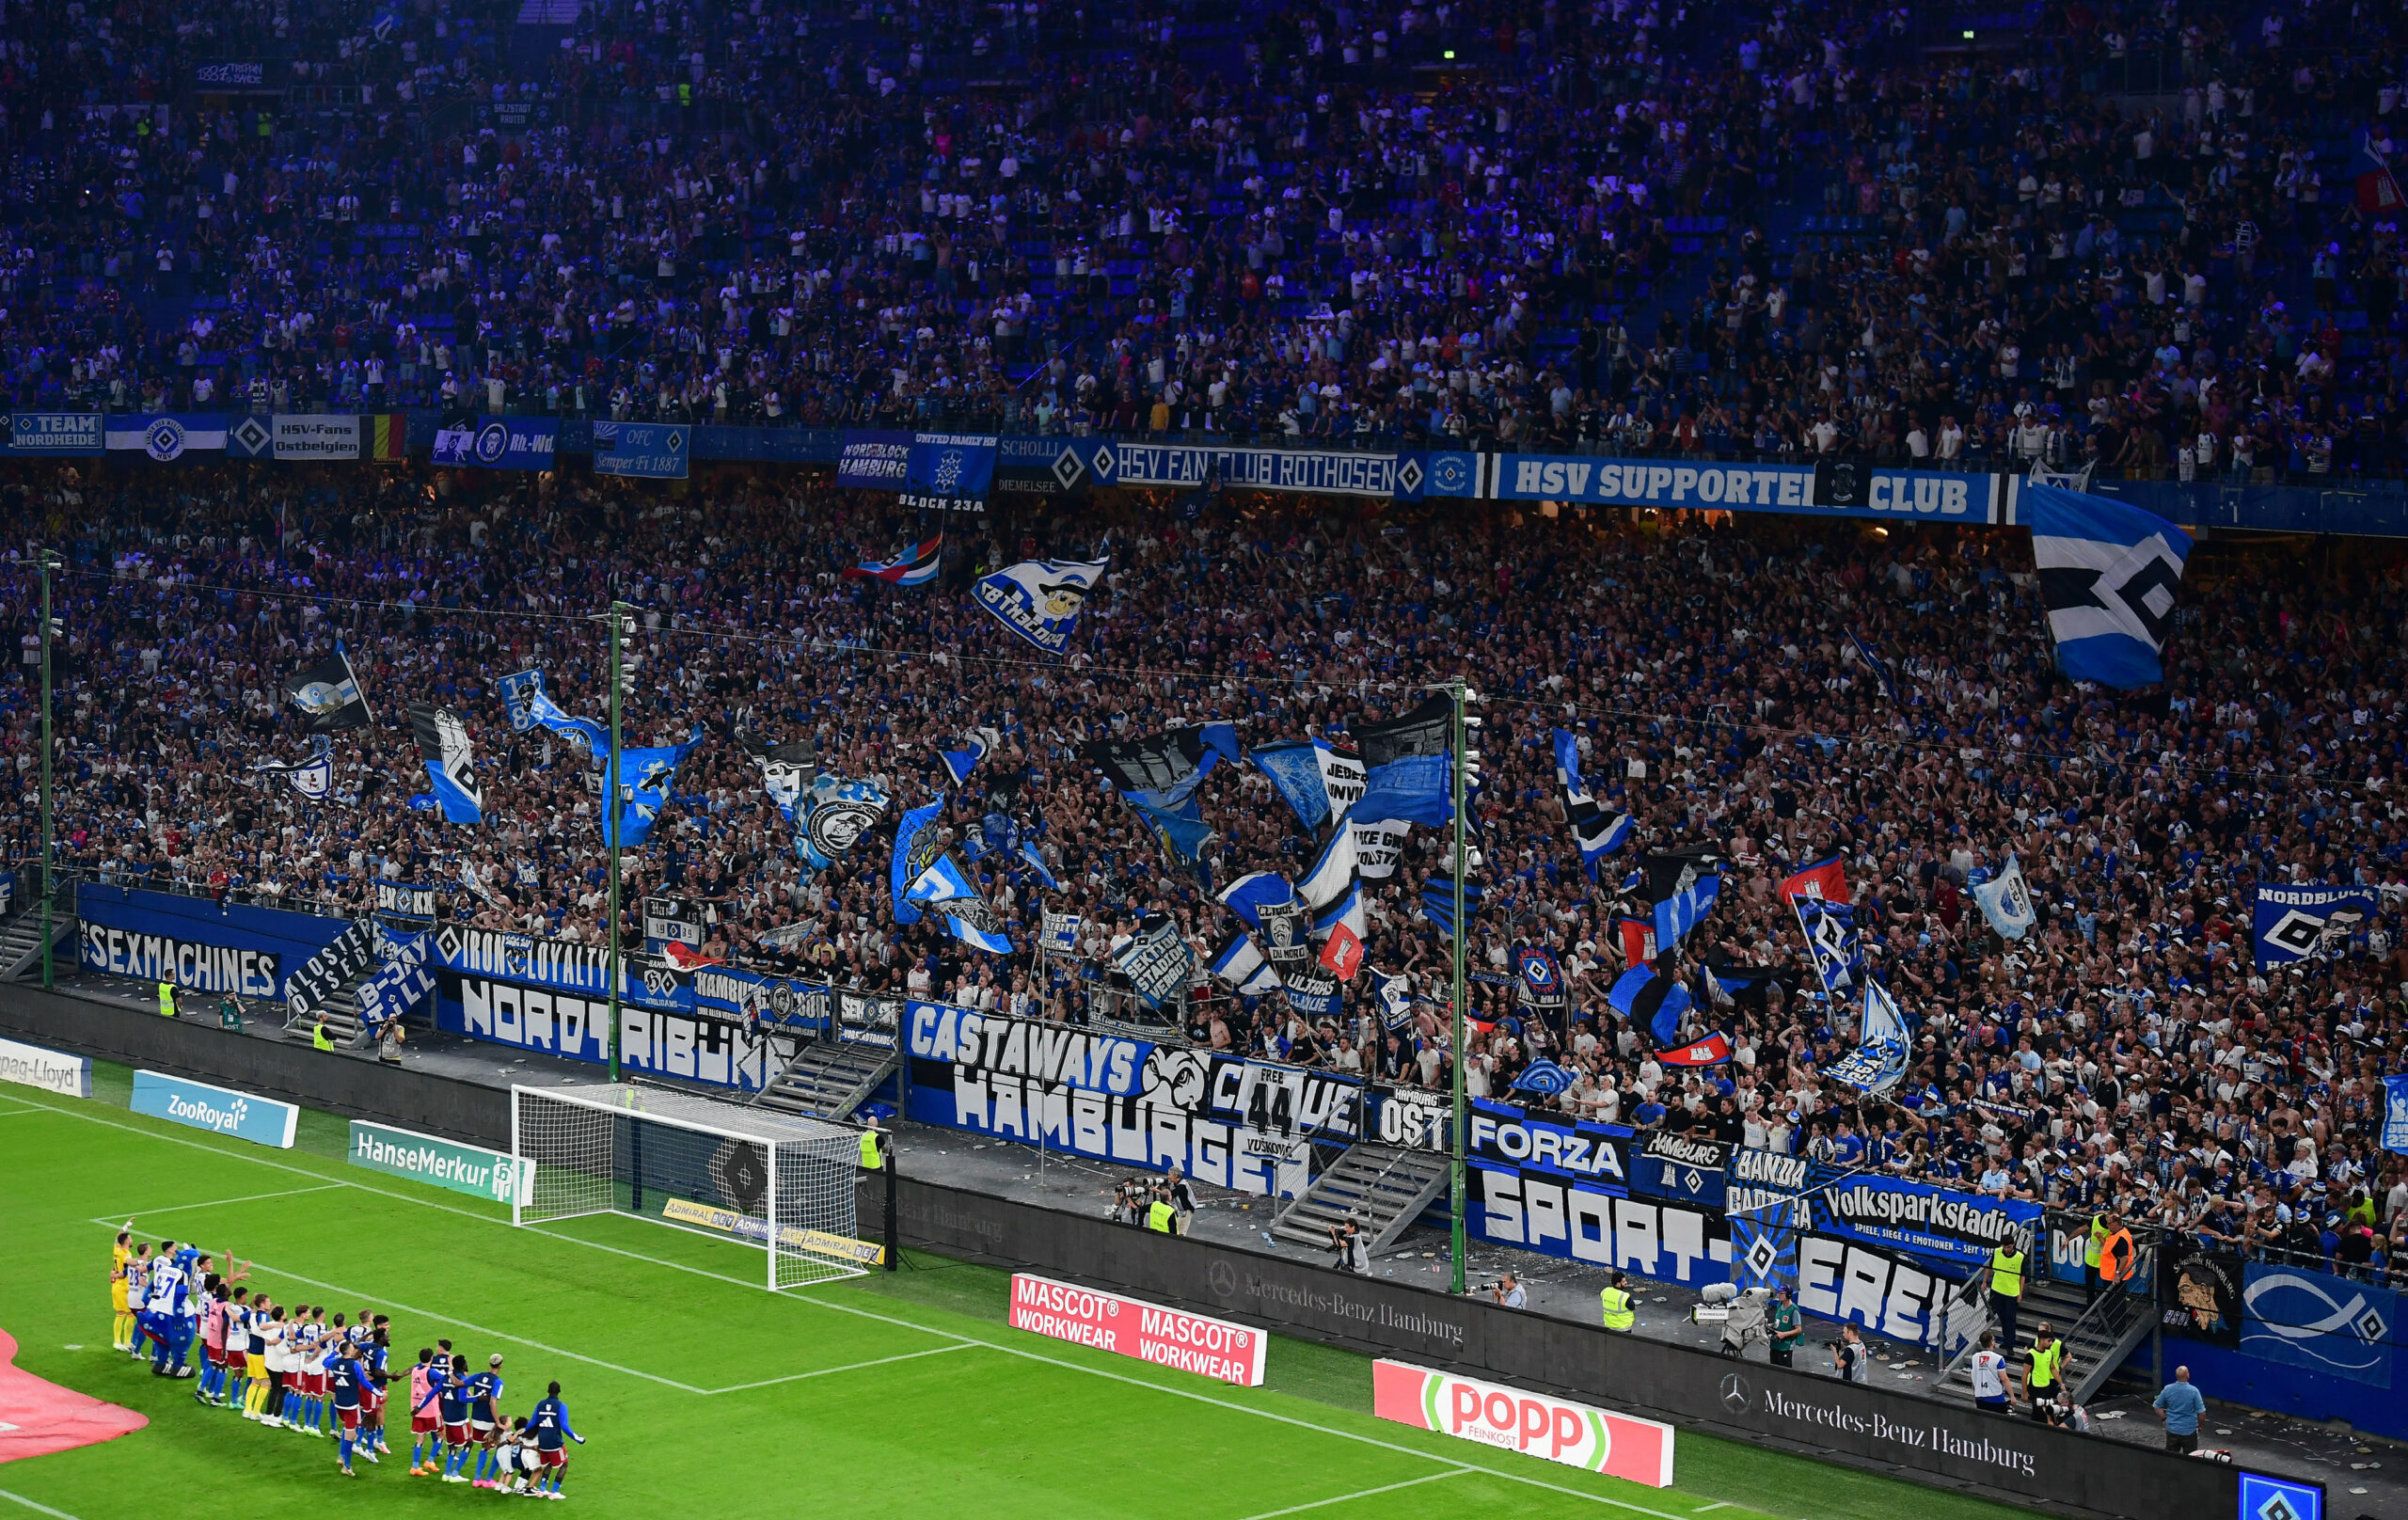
point(1988, 1370)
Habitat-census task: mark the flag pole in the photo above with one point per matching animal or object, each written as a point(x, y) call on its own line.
point(1455, 1180)
point(48, 813)
point(611, 826)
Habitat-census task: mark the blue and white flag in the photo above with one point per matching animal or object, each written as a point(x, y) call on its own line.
point(1541, 977)
point(2394, 1114)
point(2109, 574)
point(2007, 902)
point(2307, 923)
point(1597, 833)
point(1439, 902)
point(1251, 894)
point(1333, 870)
point(529, 706)
point(1543, 1077)
point(1408, 771)
point(833, 816)
point(1831, 935)
point(1394, 996)
point(645, 778)
point(394, 991)
point(313, 778)
point(1162, 770)
point(1156, 960)
point(1881, 668)
point(976, 746)
point(917, 846)
point(1652, 999)
point(1316, 780)
point(1239, 965)
point(1680, 913)
point(1182, 832)
point(1036, 862)
point(167, 436)
point(1879, 1059)
point(944, 888)
point(1039, 599)
point(450, 763)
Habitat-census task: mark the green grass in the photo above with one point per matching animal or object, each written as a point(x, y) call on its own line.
point(700, 1394)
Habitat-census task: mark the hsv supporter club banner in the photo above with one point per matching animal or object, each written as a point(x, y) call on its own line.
point(1535, 1424)
point(1131, 1327)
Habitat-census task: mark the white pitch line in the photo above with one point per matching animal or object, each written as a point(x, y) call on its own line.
point(1709, 1509)
point(849, 1367)
point(1361, 1493)
point(214, 1203)
point(44, 1509)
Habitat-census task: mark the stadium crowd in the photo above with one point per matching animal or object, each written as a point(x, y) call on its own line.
point(2159, 237)
point(2127, 1051)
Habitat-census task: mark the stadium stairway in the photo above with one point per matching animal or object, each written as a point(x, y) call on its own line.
point(1382, 1188)
point(2101, 1335)
point(341, 1011)
point(829, 1078)
point(20, 941)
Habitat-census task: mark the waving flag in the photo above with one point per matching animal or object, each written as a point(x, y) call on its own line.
point(1439, 902)
point(1879, 1059)
point(916, 849)
point(944, 888)
point(2109, 574)
point(328, 695)
point(1599, 834)
point(1545, 1078)
point(1638, 941)
point(1394, 996)
point(451, 762)
point(976, 746)
point(833, 816)
point(1339, 926)
point(1881, 668)
point(1036, 862)
point(1333, 871)
point(1824, 880)
point(313, 778)
point(1655, 1000)
point(1712, 1051)
point(1162, 770)
point(1039, 599)
point(524, 698)
point(2007, 902)
point(785, 770)
point(646, 777)
point(1182, 832)
point(1316, 780)
point(1238, 966)
point(1541, 975)
point(1831, 935)
point(1406, 765)
point(1679, 913)
point(915, 567)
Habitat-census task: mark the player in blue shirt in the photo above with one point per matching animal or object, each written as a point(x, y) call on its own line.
point(550, 1424)
point(451, 1400)
point(345, 1384)
point(374, 1360)
point(484, 1397)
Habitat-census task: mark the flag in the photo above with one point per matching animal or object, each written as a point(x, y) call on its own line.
point(1333, 870)
point(2108, 578)
point(2007, 902)
point(1182, 832)
point(916, 849)
point(524, 698)
point(1541, 977)
point(1238, 966)
point(1655, 1000)
point(1732, 986)
point(1543, 1077)
point(328, 695)
point(451, 762)
point(685, 958)
point(1831, 935)
point(1339, 926)
point(976, 746)
point(1712, 1051)
point(915, 567)
point(944, 887)
point(1638, 941)
point(1378, 844)
point(1036, 862)
point(1394, 996)
point(1599, 833)
point(1879, 1059)
point(2394, 1114)
point(1439, 902)
point(1039, 599)
point(1679, 913)
point(1312, 993)
point(1824, 880)
point(1162, 770)
point(313, 778)
point(833, 816)
point(1406, 765)
point(786, 770)
point(1156, 960)
point(1667, 872)
point(645, 777)
point(1881, 668)
point(1316, 780)
point(393, 992)
point(2378, 191)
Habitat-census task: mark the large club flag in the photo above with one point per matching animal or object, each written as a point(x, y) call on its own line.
point(976, 746)
point(328, 695)
point(1712, 1051)
point(1879, 1060)
point(1439, 902)
point(917, 846)
point(1824, 879)
point(1680, 913)
point(1654, 1001)
point(2006, 901)
point(1039, 599)
point(647, 778)
point(1406, 765)
point(915, 567)
point(1239, 965)
point(2394, 1114)
point(1394, 996)
point(450, 763)
point(1332, 873)
point(1315, 778)
point(1832, 939)
point(2109, 574)
point(1251, 894)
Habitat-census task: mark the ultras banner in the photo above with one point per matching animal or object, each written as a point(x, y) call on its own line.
point(1239, 1124)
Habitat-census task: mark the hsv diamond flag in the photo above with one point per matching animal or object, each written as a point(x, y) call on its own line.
point(2108, 578)
point(451, 762)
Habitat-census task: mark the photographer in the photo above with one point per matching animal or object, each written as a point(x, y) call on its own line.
point(1347, 1240)
point(1784, 1329)
point(1182, 1200)
point(1508, 1291)
point(1851, 1361)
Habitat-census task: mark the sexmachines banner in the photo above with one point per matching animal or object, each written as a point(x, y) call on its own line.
point(656, 1041)
point(199, 944)
point(1246, 1125)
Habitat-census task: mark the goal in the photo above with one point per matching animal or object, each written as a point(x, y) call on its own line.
point(782, 1182)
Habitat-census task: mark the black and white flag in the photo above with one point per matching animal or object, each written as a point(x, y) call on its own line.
point(313, 778)
point(450, 763)
point(328, 695)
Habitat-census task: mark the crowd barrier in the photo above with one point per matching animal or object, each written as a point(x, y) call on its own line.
point(1945, 1445)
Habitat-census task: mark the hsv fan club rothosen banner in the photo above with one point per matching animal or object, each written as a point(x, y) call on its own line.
point(1167, 1338)
point(1534, 1424)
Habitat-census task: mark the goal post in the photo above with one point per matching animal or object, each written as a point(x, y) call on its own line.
point(784, 1182)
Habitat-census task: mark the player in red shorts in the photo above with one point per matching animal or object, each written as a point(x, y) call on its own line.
point(424, 1423)
point(345, 1385)
point(550, 1424)
point(452, 1401)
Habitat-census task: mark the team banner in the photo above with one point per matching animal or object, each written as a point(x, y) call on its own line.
point(262, 1121)
point(56, 434)
point(1927, 1223)
point(1680, 1168)
point(560, 965)
point(1344, 473)
point(327, 973)
point(2319, 1322)
point(30, 1066)
point(1132, 1327)
point(1038, 467)
point(499, 443)
point(1836, 489)
point(444, 747)
point(2303, 922)
point(193, 941)
point(1890, 1295)
point(1248, 1126)
point(878, 461)
point(165, 436)
point(394, 992)
point(447, 1164)
point(2199, 1293)
point(313, 436)
point(1541, 978)
point(691, 1046)
point(1535, 1424)
point(647, 450)
point(1156, 960)
point(949, 471)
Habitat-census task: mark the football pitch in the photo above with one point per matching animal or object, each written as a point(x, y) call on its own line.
point(700, 1393)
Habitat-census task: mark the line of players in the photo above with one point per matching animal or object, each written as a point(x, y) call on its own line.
point(293, 1368)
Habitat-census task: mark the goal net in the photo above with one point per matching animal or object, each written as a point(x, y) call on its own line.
point(779, 1182)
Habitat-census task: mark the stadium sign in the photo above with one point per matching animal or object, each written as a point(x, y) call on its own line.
point(656, 1041)
point(446, 1163)
point(1514, 1419)
point(1934, 1224)
point(648, 451)
point(219, 1109)
point(1125, 1326)
point(301, 435)
point(1339, 473)
point(56, 433)
point(1842, 489)
point(30, 1066)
